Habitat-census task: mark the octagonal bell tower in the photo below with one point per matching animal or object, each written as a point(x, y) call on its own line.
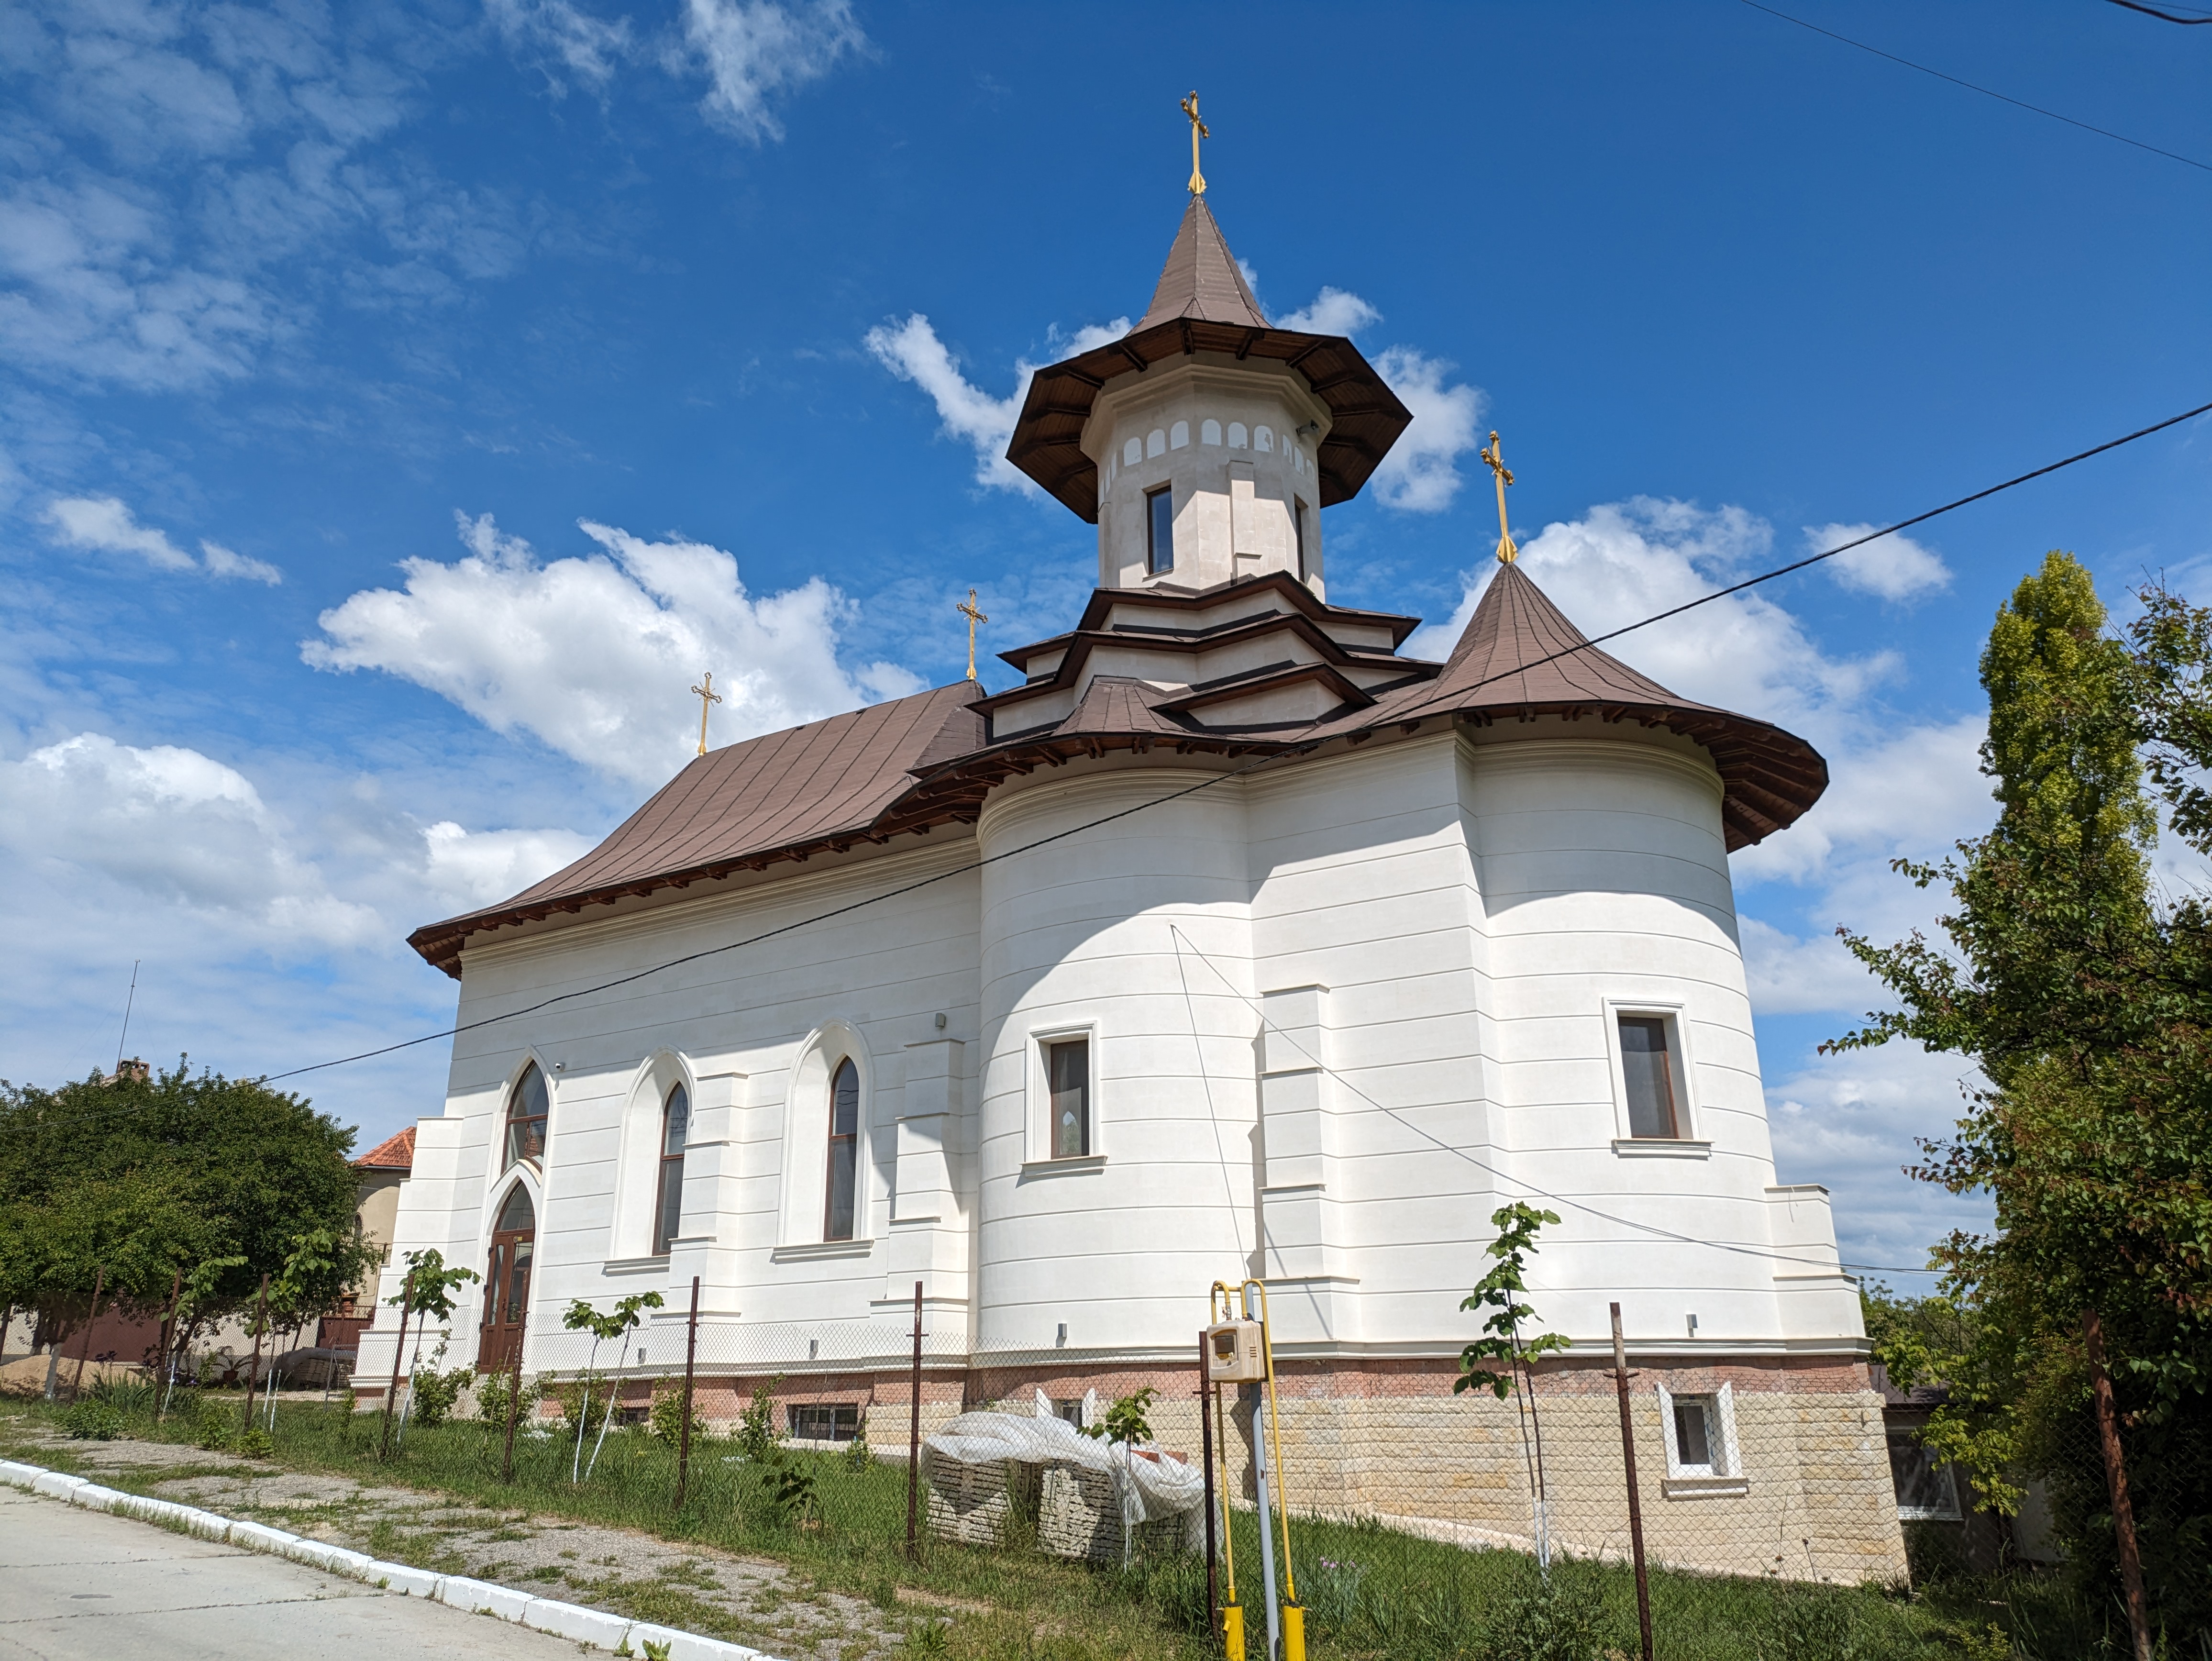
point(1206, 441)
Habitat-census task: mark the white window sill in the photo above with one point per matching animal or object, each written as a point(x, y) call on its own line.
point(635, 1265)
point(1705, 1487)
point(1923, 1514)
point(1662, 1147)
point(1077, 1167)
point(816, 1250)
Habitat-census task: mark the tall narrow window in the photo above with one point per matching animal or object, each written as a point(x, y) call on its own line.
point(1298, 532)
point(1647, 1068)
point(844, 1151)
point(675, 1126)
point(1693, 1436)
point(1159, 530)
point(525, 1118)
point(1068, 1076)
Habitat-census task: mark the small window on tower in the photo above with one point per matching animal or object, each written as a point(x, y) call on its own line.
point(1299, 534)
point(1067, 1079)
point(1159, 531)
point(1647, 1071)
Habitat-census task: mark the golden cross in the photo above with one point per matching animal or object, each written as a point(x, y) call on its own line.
point(707, 695)
point(1495, 455)
point(1198, 130)
point(974, 618)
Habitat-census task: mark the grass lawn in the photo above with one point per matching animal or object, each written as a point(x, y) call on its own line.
point(1371, 1593)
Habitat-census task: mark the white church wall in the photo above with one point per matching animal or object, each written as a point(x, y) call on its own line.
point(1116, 1246)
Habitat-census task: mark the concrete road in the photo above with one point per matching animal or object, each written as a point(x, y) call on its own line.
point(82, 1585)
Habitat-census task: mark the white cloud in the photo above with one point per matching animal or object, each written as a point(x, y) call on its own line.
point(1914, 790)
point(752, 49)
point(105, 523)
point(1789, 976)
point(912, 351)
point(175, 825)
point(1419, 475)
point(593, 655)
point(556, 31)
point(1850, 1121)
point(1894, 567)
point(469, 869)
point(1334, 310)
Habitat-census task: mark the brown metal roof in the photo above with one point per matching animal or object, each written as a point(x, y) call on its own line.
point(1201, 304)
point(1201, 279)
point(828, 783)
point(929, 759)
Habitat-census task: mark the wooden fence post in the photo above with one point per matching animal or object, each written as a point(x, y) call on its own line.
point(914, 1435)
point(1635, 1501)
point(514, 1400)
point(691, 1361)
point(2116, 1477)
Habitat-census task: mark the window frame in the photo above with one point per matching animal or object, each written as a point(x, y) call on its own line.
point(667, 1223)
point(849, 1141)
point(1681, 1070)
point(834, 1411)
point(509, 1158)
point(1040, 1113)
point(1153, 498)
point(1299, 536)
point(1723, 1472)
point(1901, 1438)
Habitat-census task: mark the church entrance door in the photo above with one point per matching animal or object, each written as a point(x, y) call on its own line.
point(507, 1283)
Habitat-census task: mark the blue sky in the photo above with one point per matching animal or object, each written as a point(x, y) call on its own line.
point(399, 405)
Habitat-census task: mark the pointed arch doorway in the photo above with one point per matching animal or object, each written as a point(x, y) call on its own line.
point(506, 1282)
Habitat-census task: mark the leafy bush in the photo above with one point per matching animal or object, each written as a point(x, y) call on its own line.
point(792, 1489)
point(1552, 1619)
point(257, 1445)
point(128, 1395)
point(756, 1437)
point(217, 1425)
point(857, 1457)
point(1124, 1422)
point(586, 1399)
point(436, 1392)
point(494, 1396)
point(92, 1420)
point(665, 1418)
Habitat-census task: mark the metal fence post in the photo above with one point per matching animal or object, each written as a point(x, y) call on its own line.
point(1635, 1501)
point(260, 1320)
point(2116, 1475)
point(914, 1433)
point(1206, 1458)
point(76, 1384)
point(398, 1355)
point(683, 1436)
point(514, 1396)
point(168, 1335)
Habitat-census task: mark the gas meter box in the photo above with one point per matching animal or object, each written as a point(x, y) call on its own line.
point(1236, 1353)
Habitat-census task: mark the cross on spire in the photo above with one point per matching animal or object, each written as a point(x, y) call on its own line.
point(967, 609)
point(1494, 454)
point(707, 695)
point(1198, 130)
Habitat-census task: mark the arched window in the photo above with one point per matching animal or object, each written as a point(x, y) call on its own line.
point(525, 1119)
point(844, 1151)
point(675, 1126)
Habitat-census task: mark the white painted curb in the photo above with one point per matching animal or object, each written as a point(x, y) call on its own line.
point(570, 1621)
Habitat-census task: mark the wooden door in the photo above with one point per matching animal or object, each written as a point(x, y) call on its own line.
point(507, 1284)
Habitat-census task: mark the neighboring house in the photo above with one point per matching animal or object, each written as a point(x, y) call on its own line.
point(1229, 940)
point(376, 1209)
point(1938, 1498)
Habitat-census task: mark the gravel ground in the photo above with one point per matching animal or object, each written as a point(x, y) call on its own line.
point(749, 1600)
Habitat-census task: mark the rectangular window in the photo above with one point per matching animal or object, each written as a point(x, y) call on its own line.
point(1068, 1077)
point(844, 1152)
point(1298, 532)
point(1693, 1435)
point(1159, 531)
point(1925, 1491)
point(1647, 1069)
point(824, 1421)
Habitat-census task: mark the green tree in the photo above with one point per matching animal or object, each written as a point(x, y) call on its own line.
point(2086, 999)
point(612, 1328)
point(141, 1178)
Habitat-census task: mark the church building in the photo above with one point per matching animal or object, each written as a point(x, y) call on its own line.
point(1227, 942)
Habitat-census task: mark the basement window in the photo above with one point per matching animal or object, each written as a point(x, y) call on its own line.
point(824, 1421)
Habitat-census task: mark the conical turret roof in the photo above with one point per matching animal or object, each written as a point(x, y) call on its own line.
point(1202, 280)
point(1202, 304)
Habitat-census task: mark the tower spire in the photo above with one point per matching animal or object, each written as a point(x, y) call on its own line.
point(1494, 454)
point(1198, 130)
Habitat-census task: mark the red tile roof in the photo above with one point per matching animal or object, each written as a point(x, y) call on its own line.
point(393, 1153)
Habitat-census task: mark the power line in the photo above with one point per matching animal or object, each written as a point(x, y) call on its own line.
point(1292, 749)
point(2002, 98)
point(2168, 16)
point(1182, 940)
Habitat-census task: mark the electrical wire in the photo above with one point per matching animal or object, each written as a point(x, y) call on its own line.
point(2166, 16)
point(2002, 98)
point(1744, 1250)
point(1292, 750)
